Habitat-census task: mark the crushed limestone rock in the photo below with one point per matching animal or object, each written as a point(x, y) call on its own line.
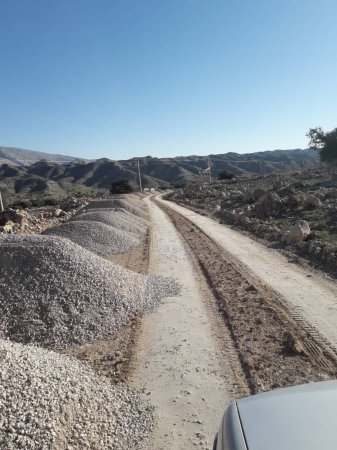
point(117, 218)
point(51, 401)
point(138, 210)
point(55, 293)
point(97, 237)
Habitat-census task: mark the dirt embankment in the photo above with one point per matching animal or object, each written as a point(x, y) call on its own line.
point(274, 350)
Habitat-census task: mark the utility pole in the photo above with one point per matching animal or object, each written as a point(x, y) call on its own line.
point(140, 178)
point(1, 203)
point(210, 171)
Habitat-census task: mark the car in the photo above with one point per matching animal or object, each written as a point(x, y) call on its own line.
point(297, 418)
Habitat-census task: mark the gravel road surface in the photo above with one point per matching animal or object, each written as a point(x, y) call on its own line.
point(311, 298)
point(184, 369)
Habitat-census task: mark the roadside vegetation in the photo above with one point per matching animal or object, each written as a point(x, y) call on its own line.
point(30, 200)
point(325, 143)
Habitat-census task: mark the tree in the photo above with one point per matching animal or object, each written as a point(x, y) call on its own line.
point(121, 187)
point(224, 175)
point(325, 143)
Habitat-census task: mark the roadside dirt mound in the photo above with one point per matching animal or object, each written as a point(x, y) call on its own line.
point(55, 402)
point(120, 219)
point(55, 293)
point(123, 203)
point(97, 237)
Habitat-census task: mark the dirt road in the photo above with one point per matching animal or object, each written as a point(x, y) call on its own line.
point(187, 366)
point(311, 299)
point(236, 329)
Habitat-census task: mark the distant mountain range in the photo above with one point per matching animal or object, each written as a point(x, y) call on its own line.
point(59, 175)
point(20, 157)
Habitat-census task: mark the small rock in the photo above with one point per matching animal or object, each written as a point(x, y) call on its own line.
point(299, 232)
point(57, 212)
point(296, 345)
point(8, 228)
point(312, 202)
point(258, 193)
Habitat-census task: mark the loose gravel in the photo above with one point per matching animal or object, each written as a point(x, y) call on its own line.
point(56, 294)
point(50, 401)
point(99, 238)
point(119, 203)
point(117, 218)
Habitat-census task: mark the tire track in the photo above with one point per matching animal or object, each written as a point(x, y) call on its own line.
point(276, 348)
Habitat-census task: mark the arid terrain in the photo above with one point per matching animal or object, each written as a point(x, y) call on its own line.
point(30, 177)
point(168, 225)
point(270, 207)
point(240, 315)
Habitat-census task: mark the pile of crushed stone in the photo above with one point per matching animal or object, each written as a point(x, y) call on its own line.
point(50, 401)
point(116, 218)
point(99, 238)
point(56, 294)
point(118, 203)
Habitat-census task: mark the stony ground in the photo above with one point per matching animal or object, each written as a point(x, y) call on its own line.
point(131, 205)
point(61, 296)
point(49, 401)
point(36, 220)
point(114, 357)
point(294, 211)
point(97, 237)
point(58, 295)
point(118, 218)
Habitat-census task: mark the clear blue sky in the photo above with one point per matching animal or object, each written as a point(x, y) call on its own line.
point(124, 78)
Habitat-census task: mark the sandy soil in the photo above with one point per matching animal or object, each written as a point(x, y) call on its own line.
point(187, 366)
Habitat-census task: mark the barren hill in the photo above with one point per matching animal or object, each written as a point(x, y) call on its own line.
point(21, 157)
point(48, 177)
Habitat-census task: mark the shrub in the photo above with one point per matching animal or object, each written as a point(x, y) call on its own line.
point(121, 187)
point(225, 175)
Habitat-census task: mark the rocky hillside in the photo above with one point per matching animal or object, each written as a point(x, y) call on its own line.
point(291, 211)
point(50, 178)
point(20, 157)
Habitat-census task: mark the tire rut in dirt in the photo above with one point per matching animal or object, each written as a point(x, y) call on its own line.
point(275, 350)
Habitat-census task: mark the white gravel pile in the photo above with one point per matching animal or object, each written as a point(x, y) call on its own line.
point(119, 203)
point(50, 401)
point(116, 218)
point(55, 293)
point(99, 238)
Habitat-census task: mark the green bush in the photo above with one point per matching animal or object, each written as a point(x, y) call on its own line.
point(121, 187)
point(225, 175)
point(325, 143)
point(22, 204)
